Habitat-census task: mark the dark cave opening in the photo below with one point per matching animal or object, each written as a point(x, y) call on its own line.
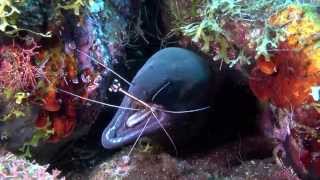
point(234, 114)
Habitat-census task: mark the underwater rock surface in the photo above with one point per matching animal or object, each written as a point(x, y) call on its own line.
point(53, 57)
point(234, 160)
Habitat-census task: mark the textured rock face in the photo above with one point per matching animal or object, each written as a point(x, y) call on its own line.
point(45, 111)
point(230, 161)
point(286, 80)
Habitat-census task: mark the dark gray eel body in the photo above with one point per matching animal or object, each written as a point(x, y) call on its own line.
point(185, 78)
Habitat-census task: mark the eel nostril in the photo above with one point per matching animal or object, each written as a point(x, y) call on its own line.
point(4, 136)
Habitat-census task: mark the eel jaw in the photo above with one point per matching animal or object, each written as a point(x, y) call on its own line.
point(127, 126)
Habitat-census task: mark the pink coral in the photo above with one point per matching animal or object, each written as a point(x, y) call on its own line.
point(13, 167)
point(17, 70)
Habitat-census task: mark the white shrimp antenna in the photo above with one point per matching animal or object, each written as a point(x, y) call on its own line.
point(103, 65)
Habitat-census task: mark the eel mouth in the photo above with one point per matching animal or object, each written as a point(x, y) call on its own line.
point(127, 125)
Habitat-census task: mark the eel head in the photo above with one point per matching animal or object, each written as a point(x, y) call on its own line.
point(173, 79)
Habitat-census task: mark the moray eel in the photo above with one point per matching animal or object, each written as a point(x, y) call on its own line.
point(174, 79)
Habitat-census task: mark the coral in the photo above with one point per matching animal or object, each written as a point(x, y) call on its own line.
point(17, 70)
point(302, 143)
point(71, 67)
point(217, 23)
point(289, 79)
point(7, 9)
point(286, 78)
point(12, 167)
point(42, 121)
point(241, 59)
point(37, 78)
point(54, 68)
point(266, 66)
point(286, 25)
point(179, 16)
point(9, 14)
point(27, 76)
point(209, 29)
point(62, 127)
point(58, 114)
point(270, 39)
point(50, 102)
point(38, 136)
point(283, 80)
point(17, 78)
point(76, 5)
point(15, 105)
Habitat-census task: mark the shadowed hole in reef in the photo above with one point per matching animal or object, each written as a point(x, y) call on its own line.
point(233, 115)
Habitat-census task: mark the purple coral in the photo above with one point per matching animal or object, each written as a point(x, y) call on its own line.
point(12, 167)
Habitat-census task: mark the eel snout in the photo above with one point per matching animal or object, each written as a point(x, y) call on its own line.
point(127, 126)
